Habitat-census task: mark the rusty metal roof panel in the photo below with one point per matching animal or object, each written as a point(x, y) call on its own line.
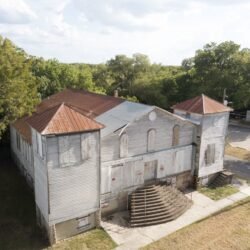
point(86, 103)
point(62, 119)
point(121, 115)
point(202, 105)
point(23, 128)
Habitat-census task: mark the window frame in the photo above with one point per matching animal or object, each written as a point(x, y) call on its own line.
point(18, 141)
point(210, 153)
point(123, 145)
point(151, 140)
point(176, 135)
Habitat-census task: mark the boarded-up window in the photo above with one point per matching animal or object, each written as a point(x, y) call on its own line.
point(18, 145)
point(69, 150)
point(210, 154)
point(86, 146)
point(151, 140)
point(124, 145)
point(39, 144)
point(83, 222)
point(176, 135)
point(150, 169)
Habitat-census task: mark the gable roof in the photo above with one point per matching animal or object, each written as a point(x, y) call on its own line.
point(202, 105)
point(121, 115)
point(62, 119)
point(88, 104)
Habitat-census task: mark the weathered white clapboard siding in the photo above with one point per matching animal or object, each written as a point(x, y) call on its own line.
point(137, 133)
point(24, 155)
point(126, 173)
point(40, 179)
point(74, 184)
point(214, 129)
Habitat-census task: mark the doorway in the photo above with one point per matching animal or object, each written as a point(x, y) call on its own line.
point(150, 170)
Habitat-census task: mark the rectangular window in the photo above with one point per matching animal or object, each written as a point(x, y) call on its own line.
point(18, 145)
point(151, 140)
point(69, 150)
point(39, 145)
point(83, 222)
point(124, 145)
point(210, 154)
point(86, 146)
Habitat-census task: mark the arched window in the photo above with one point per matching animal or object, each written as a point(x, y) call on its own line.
point(124, 145)
point(176, 135)
point(151, 140)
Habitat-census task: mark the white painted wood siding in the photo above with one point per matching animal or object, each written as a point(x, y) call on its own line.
point(126, 173)
point(24, 155)
point(214, 129)
point(73, 188)
point(40, 179)
point(137, 133)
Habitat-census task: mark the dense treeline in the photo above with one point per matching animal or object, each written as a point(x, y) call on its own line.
point(24, 79)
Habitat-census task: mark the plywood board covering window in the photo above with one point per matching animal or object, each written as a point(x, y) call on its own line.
point(176, 135)
point(210, 154)
point(151, 140)
point(40, 147)
point(150, 169)
point(86, 146)
point(69, 150)
point(124, 145)
point(18, 141)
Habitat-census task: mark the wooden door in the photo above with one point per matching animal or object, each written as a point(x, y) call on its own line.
point(150, 169)
point(116, 178)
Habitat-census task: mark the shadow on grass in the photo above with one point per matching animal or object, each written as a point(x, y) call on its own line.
point(18, 229)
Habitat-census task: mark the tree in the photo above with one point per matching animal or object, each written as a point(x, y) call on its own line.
point(17, 85)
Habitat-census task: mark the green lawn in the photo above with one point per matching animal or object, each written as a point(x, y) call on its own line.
point(219, 192)
point(18, 229)
point(226, 229)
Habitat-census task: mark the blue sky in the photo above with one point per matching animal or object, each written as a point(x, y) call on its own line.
point(93, 31)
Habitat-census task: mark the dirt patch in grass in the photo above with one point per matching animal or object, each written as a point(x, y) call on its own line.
point(18, 228)
point(229, 229)
point(219, 192)
point(240, 153)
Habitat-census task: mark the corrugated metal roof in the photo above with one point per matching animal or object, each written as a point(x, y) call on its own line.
point(62, 119)
point(23, 128)
point(121, 115)
point(86, 103)
point(202, 105)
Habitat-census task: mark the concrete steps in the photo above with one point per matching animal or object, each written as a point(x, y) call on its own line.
point(155, 204)
point(222, 179)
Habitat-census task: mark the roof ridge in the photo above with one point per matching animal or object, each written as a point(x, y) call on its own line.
point(215, 101)
point(203, 104)
point(59, 107)
point(85, 116)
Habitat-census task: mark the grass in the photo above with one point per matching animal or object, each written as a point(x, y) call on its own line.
point(96, 239)
point(219, 192)
point(227, 229)
point(18, 229)
point(240, 153)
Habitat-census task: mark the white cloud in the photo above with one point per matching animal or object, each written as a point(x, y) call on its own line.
point(94, 30)
point(15, 11)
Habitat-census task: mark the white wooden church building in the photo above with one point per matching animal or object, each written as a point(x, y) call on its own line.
point(83, 153)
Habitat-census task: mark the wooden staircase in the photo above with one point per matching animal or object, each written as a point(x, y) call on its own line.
point(155, 204)
point(222, 179)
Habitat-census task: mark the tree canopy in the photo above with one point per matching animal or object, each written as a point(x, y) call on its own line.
point(24, 79)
